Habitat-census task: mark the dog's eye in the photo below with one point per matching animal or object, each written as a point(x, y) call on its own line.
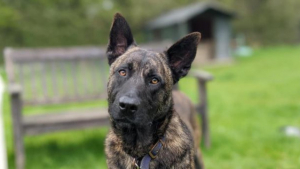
point(154, 81)
point(122, 72)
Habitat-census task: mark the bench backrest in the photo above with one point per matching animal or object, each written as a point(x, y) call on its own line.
point(60, 75)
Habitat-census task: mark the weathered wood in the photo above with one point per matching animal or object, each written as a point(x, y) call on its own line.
point(9, 65)
point(16, 108)
point(203, 112)
point(66, 99)
point(43, 54)
point(103, 70)
point(61, 69)
point(21, 74)
point(94, 80)
point(67, 116)
point(64, 79)
point(37, 61)
point(54, 78)
point(36, 130)
point(43, 76)
point(14, 88)
point(74, 67)
point(37, 124)
point(202, 78)
point(201, 75)
point(33, 80)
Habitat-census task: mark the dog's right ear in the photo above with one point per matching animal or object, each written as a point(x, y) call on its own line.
point(120, 38)
point(182, 54)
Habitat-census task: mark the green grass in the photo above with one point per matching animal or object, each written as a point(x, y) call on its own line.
point(249, 101)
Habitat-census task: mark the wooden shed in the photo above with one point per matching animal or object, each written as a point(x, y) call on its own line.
point(210, 19)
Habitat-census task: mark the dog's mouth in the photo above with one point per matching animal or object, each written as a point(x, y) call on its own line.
point(123, 120)
point(126, 122)
point(123, 123)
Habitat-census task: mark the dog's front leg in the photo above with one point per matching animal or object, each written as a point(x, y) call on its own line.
point(117, 163)
point(116, 158)
point(187, 162)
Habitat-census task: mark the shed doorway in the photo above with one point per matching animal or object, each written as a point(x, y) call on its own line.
point(204, 25)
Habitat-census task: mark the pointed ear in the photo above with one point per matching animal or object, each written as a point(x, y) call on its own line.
point(181, 55)
point(120, 38)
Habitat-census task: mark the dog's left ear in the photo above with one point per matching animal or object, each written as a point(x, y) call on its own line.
point(120, 38)
point(182, 54)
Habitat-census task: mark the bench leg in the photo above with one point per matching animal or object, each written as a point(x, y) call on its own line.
point(205, 129)
point(203, 112)
point(19, 152)
point(16, 109)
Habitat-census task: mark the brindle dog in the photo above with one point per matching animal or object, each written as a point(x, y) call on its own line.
point(142, 107)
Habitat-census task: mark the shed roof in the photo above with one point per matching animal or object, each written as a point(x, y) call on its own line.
point(183, 14)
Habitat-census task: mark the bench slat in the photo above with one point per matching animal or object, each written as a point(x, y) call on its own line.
point(43, 76)
point(64, 80)
point(21, 74)
point(59, 100)
point(38, 54)
point(85, 79)
point(54, 78)
point(65, 126)
point(103, 68)
point(33, 80)
point(37, 124)
point(74, 66)
point(52, 118)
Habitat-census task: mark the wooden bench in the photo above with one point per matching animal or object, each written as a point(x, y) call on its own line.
point(62, 75)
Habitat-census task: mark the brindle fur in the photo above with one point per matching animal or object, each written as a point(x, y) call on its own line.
point(133, 135)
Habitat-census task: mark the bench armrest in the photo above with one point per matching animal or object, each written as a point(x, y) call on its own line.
point(202, 78)
point(15, 94)
point(14, 88)
point(201, 75)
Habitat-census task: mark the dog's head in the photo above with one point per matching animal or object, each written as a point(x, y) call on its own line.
point(140, 81)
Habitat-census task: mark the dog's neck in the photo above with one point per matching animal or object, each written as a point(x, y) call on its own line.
point(138, 141)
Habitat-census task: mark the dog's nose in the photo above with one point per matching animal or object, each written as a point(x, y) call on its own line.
point(128, 104)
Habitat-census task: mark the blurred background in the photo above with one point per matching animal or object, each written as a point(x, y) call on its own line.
point(252, 48)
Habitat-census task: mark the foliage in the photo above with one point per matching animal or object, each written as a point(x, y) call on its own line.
point(34, 23)
point(249, 101)
point(69, 22)
point(267, 22)
point(9, 30)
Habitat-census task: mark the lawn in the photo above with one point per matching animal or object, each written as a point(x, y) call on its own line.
point(249, 101)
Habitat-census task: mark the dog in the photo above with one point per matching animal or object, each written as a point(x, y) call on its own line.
point(151, 126)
